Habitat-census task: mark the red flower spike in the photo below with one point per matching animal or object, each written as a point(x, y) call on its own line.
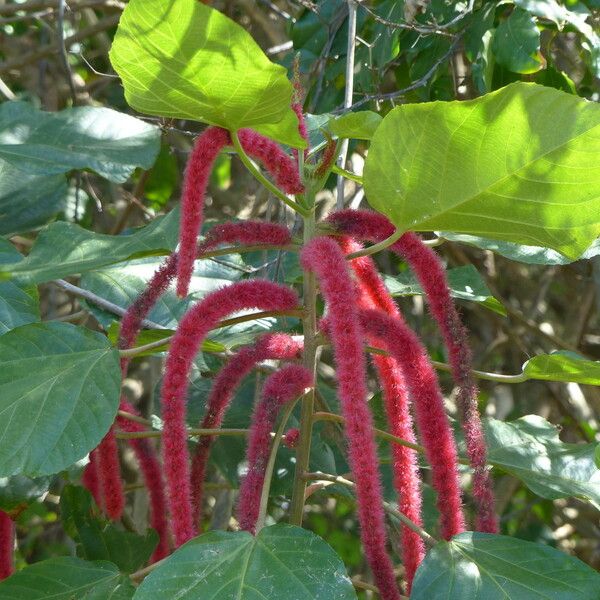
point(197, 172)
point(246, 232)
point(277, 346)
point(323, 257)
point(7, 544)
point(291, 437)
point(151, 471)
point(327, 158)
point(421, 380)
point(297, 102)
point(405, 468)
point(90, 479)
point(280, 166)
point(280, 388)
point(194, 326)
point(109, 474)
point(432, 277)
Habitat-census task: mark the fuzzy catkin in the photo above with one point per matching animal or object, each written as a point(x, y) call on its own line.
point(7, 543)
point(323, 257)
point(90, 479)
point(150, 467)
point(281, 387)
point(405, 468)
point(244, 232)
point(271, 346)
point(424, 261)
point(440, 448)
point(196, 323)
point(109, 475)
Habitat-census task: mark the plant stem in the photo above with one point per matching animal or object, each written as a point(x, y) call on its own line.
point(426, 537)
point(135, 435)
point(377, 247)
point(264, 497)
point(309, 325)
point(130, 352)
point(262, 179)
point(348, 95)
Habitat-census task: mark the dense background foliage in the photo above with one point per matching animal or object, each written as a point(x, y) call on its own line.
point(91, 170)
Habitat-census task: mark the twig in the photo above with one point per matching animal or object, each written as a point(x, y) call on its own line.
point(48, 49)
point(426, 537)
point(348, 95)
point(64, 58)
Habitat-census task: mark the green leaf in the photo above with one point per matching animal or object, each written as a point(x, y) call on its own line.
point(451, 166)
point(530, 449)
point(189, 61)
point(59, 393)
point(563, 366)
point(483, 566)
point(67, 578)
point(516, 43)
point(532, 255)
point(282, 561)
point(100, 540)
point(108, 142)
point(122, 283)
point(358, 125)
point(465, 283)
point(28, 200)
point(63, 249)
point(19, 304)
point(17, 492)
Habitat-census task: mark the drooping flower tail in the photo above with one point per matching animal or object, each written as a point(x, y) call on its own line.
point(421, 380)
point(90, 479)
point(109, 475)
point(275, 346)
point(7, 543)
point(424, 261)
point(323, 257)
point(151, 471)
point(405, 468)
point(244, 232)
point(197, 322)
point(281, 387)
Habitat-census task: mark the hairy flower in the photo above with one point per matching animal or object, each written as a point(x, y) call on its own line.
point(151, 471)
point(440, 448)
point(197, 172)
point(291, 437)
point(405, 468)
point(281, 387)
point(327, 158)
point(109, 474)
point(7, 543)
point(245, 232)
point(432, 277)
point(90, 479)
point(194, 326)
point(272, 346)
point(323, 257)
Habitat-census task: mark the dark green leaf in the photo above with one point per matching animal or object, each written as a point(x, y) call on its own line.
point(465, 283)
point(19, 304)
point(517, 43)
point(530, 449)
point(99, 540)
point(64, 249)
point(451, 166)
point(59, 395)
point(533, 255)
point(27, 200)
point(17, 492)
point(67, 578)
point(482, 566)
point(189, 61)
point(280, 562)
point(108, 142)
